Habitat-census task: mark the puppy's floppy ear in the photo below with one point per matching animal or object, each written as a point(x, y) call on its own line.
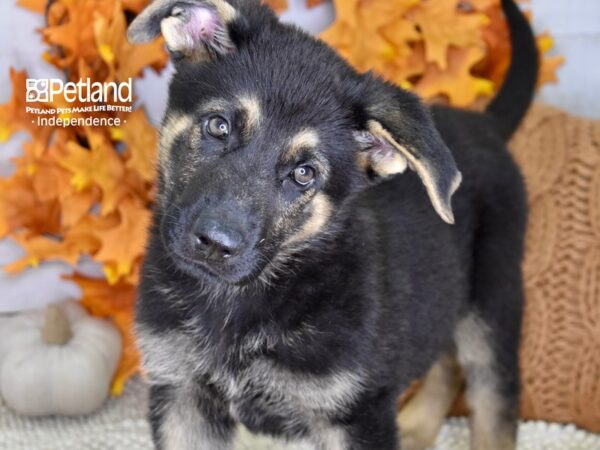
point(194, 30)
point(397, 132)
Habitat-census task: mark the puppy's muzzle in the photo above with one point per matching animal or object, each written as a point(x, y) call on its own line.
point(219, 237)
point(214, 241)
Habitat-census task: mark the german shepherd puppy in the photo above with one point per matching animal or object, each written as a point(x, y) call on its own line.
point(298, 276)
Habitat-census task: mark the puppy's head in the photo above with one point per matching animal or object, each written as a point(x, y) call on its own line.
point(267, 133)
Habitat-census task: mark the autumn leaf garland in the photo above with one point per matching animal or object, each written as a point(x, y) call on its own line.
point(86, 192)
point(455, 51)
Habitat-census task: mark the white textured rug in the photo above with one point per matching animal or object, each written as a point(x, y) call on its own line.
point(121, 425)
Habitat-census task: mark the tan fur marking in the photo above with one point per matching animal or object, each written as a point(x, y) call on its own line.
point(445, 213)
point(331, 437)
point(214, 105)
point(173, 127)
point(471, 337)
point(252, 108)
point(175, 40)
point(226, 12)
point(321, 212)
point(422, 417)
point(362, 159)
point(307, 138)
point(183, 426)
point(388, 164)
point(489, 430)
point(383, 110)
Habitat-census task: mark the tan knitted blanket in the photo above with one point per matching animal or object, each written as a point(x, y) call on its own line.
point(560, 157)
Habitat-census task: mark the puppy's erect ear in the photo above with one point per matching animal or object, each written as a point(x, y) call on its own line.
point(397, 132)
point(194, 30)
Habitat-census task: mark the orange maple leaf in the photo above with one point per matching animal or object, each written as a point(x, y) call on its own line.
point(12, 113)
point(443, 25)
point(21, 209)
point(141, 140)
point(549, 68)
point(481, 5)
point(497, 39)
point(123, 59)
point(125, 243)
point(73, 34)
point(549, 65)
point(48, 180)
point(401, 39)
point(85, 191)
point(276, 5)
point(85, 232)
point(134, 5)
point(99, 165)
point(117, 303)
point(38, 6)
point(346, 11)
point(374, 14)
point(313, 3)
point(75, 205)
point(457, 82)
point(390, 48)
point(40, 248)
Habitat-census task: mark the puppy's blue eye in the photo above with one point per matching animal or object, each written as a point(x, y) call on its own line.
point(217, 127)
point(303, 175)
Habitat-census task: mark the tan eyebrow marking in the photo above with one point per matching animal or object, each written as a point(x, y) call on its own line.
point(170, 131)
point(173, 127)
point(252, 109)
point(214, 105)
point(307, 138)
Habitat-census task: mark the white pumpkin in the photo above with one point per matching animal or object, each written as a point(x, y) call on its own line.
point(57, 361)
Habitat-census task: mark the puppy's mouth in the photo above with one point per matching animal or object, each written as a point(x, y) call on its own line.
point(237, 273)
point(196, 267)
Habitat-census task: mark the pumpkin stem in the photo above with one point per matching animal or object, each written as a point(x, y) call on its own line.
point(57, 330)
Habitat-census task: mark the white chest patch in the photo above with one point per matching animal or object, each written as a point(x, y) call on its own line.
point(171, 357)
point(287, 393)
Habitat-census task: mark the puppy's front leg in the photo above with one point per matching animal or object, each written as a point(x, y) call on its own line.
point(372, 424)
point(189, 417)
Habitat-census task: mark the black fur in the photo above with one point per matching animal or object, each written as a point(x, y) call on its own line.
point(378, 292)
point(516, 93)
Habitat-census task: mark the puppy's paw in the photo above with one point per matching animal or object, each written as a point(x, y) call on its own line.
point(417, 431)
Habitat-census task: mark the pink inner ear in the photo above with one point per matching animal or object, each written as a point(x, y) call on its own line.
point(382, 152)
point(376, 145)
point(202, 24)
point(383, 157)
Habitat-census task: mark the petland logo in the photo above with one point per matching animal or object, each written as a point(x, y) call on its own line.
point(95, 104)
point(85, 91)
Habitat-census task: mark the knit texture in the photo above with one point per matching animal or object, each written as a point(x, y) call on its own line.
point(559, 156)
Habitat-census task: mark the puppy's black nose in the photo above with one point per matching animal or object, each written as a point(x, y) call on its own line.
point(215, 240)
